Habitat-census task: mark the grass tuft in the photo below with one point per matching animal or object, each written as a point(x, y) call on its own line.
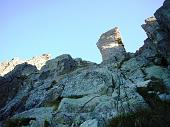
point(18, 122)
point(159, 117)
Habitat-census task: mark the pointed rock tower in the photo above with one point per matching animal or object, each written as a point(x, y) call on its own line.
point(111, 46)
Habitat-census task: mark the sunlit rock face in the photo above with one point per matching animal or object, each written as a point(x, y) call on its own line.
point(111, 46)
point(38, 61)
point(8, 66)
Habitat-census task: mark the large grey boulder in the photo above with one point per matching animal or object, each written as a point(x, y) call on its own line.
point(84, 104)
point(90, 81)
point(74, 111)
point(59, 66)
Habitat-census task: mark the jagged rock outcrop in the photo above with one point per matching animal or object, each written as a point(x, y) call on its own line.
point(68, 92)
point(13, 81)
point(163, 18)
point(163, 14)
point(35, 82)
point(111, 46)
point(157, 46)
point(153, 29)
point(38, 61)
point(8, 66)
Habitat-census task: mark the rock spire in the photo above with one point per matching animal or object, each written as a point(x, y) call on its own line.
point(111, 46)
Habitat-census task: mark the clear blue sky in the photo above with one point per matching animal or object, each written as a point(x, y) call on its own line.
point(32, 27)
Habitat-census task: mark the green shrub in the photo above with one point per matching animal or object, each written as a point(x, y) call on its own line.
point(143, 118)
point(157, 116)
point(46, 123)
point(18, 122)
point(119, 40)
point(54, 82)
point(53, 103)
point(149, 93)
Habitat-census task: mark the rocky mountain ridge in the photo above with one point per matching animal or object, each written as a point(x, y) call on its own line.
point(39, 61)
point(126, 89)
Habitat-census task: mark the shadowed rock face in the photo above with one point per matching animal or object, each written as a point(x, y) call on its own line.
point(13, 81)
point(163, 15)
point(111, 46)
point(152, 29)
point(163, 18)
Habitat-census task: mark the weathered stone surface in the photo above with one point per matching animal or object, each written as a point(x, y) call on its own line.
point(40, 114)
point(111, 46)
point(71, 119)
point(13, 81)
point(90, 123)
point(159, 72)
point(157, 45)
point(84, 104)
point(163, 18)
point(42, 96)
point(86, 82)
point(76, 111)
point(15, 105)
point(127, 99)
point(61, 64)
point(163, 15)
point(153, 30)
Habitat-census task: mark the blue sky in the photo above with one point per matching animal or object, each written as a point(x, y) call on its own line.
point(32, 27)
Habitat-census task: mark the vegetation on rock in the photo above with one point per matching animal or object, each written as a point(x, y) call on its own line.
point(18, 122)
point(158, 117)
